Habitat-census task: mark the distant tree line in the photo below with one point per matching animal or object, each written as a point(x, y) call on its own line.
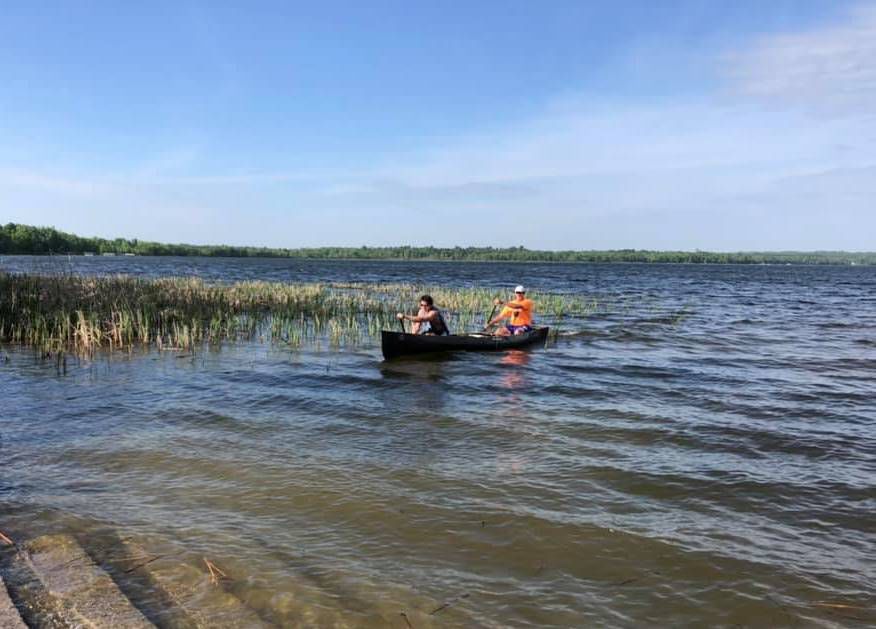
point(29, 240)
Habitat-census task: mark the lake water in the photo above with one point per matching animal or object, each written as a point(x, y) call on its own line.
point(699, 451)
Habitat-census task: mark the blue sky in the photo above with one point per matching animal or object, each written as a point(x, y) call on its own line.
point(561, 125)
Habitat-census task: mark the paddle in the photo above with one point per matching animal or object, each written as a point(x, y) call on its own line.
point(490, 318)
point(401, 322)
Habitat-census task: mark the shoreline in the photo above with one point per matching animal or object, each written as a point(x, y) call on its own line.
point(17, 239)
point(729, 263)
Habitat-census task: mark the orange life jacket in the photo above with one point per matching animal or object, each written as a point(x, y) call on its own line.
point(521, 316)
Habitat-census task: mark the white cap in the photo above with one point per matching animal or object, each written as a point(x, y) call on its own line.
point(520, 289)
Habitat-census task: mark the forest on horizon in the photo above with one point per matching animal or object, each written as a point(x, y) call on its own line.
point(18, 239)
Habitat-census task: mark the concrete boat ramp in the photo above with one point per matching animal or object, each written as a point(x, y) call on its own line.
point(9, 617)
point(52, 582)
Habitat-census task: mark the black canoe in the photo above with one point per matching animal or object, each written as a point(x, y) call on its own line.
point(396, 344)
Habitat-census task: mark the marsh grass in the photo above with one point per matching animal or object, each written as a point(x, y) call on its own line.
point(68, 313)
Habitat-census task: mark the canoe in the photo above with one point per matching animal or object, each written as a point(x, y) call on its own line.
point(396, 344)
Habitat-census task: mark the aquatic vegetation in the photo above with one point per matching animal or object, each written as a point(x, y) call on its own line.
point(69, 313)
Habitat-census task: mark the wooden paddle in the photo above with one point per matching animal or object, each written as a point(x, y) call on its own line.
point(401, 322)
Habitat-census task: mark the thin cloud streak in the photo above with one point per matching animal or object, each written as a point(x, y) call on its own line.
point(831, 70)
point(673, 162)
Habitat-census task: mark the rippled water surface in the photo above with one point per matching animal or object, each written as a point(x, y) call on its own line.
point(699, 451)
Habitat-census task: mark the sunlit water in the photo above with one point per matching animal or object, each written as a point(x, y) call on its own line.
point(701, 450)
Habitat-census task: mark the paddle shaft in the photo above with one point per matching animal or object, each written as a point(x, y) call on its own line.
point(490, 318)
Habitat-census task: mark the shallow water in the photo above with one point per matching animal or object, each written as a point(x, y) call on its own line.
point(698, 451)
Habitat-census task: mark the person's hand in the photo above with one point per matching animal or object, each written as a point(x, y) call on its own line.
point(400, 316)
point(497, 302)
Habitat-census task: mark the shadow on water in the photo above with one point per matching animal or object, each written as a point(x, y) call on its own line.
point(418, 366)
point(415, 383)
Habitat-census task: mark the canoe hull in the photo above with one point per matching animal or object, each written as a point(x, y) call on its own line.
point(395, 344)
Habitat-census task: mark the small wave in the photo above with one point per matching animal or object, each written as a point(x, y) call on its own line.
point(828, 325)
point(577, 333)
point(664, 320)
point(626, 335)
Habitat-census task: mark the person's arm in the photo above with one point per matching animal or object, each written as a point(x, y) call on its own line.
point(504, 314)
point(430, 316)
point(511, 304)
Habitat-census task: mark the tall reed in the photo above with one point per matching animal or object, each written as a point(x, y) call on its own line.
point(84, 314)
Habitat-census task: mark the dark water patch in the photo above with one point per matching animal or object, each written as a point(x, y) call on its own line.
point(839, 400)
point(745, 322)
point(201, 418)
point(593, 394)
point(625, 370)
point(845, 366)
point(634, 335)
point(761, 440)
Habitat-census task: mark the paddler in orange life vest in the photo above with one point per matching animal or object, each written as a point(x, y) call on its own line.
point(519, 311)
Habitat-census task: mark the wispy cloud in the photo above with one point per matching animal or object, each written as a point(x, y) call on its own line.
point(592, 142)
point(166, 163)
point(831, 70)
point(79, 187)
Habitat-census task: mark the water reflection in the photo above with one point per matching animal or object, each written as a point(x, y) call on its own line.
point(514, 372)
point(414, 383)
point(419, 367)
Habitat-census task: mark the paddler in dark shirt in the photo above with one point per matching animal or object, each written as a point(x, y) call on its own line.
point(428, 320)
